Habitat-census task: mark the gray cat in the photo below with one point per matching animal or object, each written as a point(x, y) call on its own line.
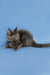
point(13, 39)
point(21, 38)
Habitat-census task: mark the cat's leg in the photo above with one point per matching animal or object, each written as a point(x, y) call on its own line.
point(20, 45)
point(23, 47)
point(7, 46)
point(15, 48)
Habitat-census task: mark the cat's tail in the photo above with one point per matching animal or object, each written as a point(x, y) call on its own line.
point(40, 45)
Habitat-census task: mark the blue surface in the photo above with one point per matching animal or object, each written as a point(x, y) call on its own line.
point(34, 16)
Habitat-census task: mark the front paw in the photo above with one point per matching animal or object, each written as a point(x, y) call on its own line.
point(6, 47)
point(15, 49)
point(23, 47)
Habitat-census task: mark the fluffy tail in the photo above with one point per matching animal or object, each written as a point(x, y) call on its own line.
point(40, 45)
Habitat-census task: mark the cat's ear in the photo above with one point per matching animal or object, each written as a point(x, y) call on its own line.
point(15, 29)
point(9, 32)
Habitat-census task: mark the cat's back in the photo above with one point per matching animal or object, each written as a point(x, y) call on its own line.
point(25, 32)
point(26, 37)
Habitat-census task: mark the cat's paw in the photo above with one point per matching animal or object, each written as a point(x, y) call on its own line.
point(22, 47)
point(6, 47)
point(15, 49)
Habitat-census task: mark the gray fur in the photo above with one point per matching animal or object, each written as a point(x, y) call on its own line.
point(21, 38)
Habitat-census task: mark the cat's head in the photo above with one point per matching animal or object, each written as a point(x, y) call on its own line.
point(13, 35)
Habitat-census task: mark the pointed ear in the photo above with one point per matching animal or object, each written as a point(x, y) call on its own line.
point(15, 29)
point(9, 32)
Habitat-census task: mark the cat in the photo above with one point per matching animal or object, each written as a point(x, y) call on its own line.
point(22, 38)
point(13, 39)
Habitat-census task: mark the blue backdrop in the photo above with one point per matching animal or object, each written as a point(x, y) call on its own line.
point(34, 16)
